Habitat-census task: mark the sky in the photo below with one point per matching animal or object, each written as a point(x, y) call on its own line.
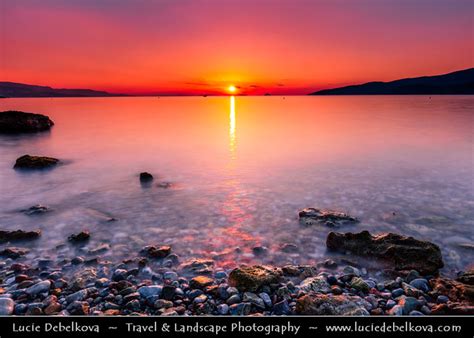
point(204, 46)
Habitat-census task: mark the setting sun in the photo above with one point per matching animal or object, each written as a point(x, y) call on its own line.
point(232, 88)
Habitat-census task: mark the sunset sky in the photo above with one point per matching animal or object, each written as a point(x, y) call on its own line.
point(198, 46)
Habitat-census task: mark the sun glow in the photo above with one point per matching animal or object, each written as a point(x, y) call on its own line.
point(232, 88)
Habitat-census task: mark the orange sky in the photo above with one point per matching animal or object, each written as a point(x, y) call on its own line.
point(194, 47)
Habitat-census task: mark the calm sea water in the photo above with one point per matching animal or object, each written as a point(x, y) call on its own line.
point(240, 169)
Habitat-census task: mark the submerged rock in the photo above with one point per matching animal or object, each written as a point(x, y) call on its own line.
point(199, 265)
point(164, 185)
point(289, 248)
point(330, 218)
point(156, 252)
point(80, 237)
point(18, 235)
point(37, 209)
point(320, 304)
point(260, 250)
point(100, 249)
point(405, 253)
point(251, 278)
point(14, 122)
point(13, 253)
point(35, 162)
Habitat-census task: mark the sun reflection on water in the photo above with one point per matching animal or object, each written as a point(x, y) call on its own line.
point(235, 209)
point(232, 138)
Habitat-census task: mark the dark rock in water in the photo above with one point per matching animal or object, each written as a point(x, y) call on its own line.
point(77, 260)
point(320, 304)
point(289, 248)
point(311, 216)
point(405, 253)
point(156, 252)
point(260, 250)
point(14, 122)
point(13, 252)
point(35, 162)
point(164, 185)
point(101, 248)
point(36, 210)
point(18, 235)
point(146, 177)
point(80, 237)
point(251, 278)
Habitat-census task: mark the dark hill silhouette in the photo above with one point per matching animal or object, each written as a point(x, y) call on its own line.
point(12, 89)
point(460, 82)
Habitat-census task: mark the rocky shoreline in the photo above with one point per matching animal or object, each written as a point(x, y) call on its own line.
point(156, 283)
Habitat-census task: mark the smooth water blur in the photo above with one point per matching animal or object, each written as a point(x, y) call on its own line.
point(240, 169)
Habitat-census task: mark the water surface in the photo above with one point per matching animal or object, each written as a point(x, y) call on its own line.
point(240, 170)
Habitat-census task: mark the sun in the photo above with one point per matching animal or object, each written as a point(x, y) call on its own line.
point(232, 88)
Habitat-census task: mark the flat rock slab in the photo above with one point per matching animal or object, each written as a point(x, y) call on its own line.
point(14, 122)
point(35, 162)
point(12, 252)
point(321, 304)
point(37, 209)
point(404, 253)
point(330, 218)
point(251, 278)
point(18, 235)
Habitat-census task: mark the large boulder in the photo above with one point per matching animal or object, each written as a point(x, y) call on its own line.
point(13, 122)
point(252, 278)
point(35, 162)
point(330, 218)
point(341, 305)
point(404, 253)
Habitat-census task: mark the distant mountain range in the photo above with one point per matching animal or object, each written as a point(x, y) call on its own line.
point(12, 89)
point(460, 82)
